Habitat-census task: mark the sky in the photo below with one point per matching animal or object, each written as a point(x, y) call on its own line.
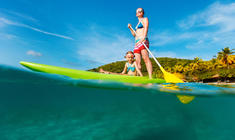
point(86, 34)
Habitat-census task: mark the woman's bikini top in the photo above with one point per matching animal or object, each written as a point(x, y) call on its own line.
point(139, 25)
point(129, 67)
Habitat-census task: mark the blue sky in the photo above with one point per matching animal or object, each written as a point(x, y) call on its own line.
point(86, 34)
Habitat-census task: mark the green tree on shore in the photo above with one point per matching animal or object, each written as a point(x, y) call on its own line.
point(221, 66)
point(225, 57)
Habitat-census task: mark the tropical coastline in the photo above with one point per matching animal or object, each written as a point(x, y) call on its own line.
point(219, 70)
point(222, 83)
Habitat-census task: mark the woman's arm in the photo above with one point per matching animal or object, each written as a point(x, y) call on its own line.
point(138, 70)
point(132, 32)
point(146, 27)
point(125, 69)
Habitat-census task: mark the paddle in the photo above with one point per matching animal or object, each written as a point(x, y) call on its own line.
point(170, 78)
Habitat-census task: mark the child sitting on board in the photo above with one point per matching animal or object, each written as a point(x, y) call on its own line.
point(130, 66)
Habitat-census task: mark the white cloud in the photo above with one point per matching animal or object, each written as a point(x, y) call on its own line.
point(13, 23)
point(34, 53)
point(164, 38)
point(6, 21)
point(219, 15)
point(161, 39)
point(1, 24)
point(212, 28)
point(164, 54)
point(14, 14)
point(7, 36)
point(104, 48)
point(48, 33)
point(20, 15)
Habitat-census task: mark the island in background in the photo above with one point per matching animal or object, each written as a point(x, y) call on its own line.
point(220, 69)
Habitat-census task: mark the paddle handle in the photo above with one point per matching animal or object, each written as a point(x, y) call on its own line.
point(148, 50)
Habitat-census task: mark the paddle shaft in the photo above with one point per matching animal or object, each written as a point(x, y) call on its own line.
point(148, 50)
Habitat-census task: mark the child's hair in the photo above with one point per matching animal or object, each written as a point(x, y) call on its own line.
point(129, 52)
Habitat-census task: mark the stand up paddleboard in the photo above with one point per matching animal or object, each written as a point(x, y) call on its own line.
point(86, 75)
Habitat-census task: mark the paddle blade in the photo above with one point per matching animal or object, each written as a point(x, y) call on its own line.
point(182, 98)
point(171, 78)
point(185, 99)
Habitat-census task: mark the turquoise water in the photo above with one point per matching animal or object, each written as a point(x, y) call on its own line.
point(36, 106)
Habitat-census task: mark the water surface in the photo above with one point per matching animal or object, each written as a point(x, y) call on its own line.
point(43, 106)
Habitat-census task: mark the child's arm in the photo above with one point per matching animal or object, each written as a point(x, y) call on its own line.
point(125, 69)
point(138, 70)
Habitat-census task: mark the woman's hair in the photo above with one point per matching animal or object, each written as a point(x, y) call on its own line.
point(129, 52)
point(142, 10)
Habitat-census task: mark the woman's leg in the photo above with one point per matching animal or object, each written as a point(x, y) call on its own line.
point(145, 56)
point(138, 60)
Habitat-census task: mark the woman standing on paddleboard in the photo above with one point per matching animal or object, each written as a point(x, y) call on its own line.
point(141, 37)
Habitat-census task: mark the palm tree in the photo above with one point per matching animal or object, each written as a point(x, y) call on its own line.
point(231, 59)
point(187, 69)
point(214, 63)
point(223, 56)
point(195, 64)
point(178, 68)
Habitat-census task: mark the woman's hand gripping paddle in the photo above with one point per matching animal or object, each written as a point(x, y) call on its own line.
point(170, 78)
